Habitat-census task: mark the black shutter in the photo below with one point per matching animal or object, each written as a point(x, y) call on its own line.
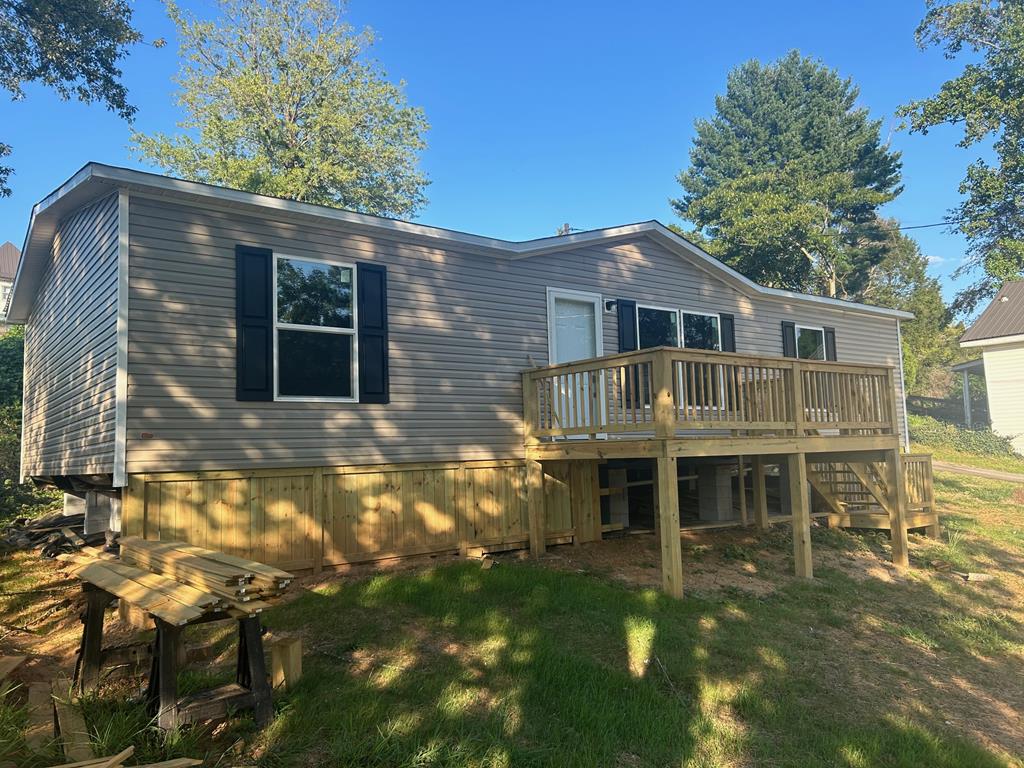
point(372, 290)
point(627, 324)
point(254, 325)
point(830, 344)
point(727, 329)
point(788, 339)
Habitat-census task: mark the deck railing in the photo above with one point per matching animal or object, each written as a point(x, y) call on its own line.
point(666, 390)
point(917, 478)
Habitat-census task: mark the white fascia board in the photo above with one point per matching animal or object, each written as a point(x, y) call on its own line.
point(994, 341)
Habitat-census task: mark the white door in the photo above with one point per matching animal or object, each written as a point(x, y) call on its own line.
point(574, 333)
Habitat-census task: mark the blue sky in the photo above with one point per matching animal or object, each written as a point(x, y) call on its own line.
point(543, 113)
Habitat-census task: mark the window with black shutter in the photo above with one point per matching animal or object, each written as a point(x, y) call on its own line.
point(310, 329)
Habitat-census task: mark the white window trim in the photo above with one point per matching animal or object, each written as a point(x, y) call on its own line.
point(796, 340)
point(682, 325)
point(353, 332)
point(568, 293)
point(679, 321)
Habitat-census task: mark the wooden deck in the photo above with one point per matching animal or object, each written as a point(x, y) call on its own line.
point(833, 427)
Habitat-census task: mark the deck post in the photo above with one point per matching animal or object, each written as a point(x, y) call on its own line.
point(668, 526)
point(897, 509)
point(966, 379)
point(535, 505)
point(801, 514)
point(799, 415)
point(741, 465)
point(760, 493)
point(664, 406)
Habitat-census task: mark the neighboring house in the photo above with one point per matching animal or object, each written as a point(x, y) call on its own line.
point(9, 256)
point(314, 387)
point(999, 334)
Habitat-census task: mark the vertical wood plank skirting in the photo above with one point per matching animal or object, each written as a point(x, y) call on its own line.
point(760, 493)
point(668, 526)
point(801, 509)
point(307, 519)
point(535, 506)
point(897, 509)
point(319, 529)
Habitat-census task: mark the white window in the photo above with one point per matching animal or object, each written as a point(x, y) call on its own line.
point(657, 327)
point(314, 330)
point(810, 342)
point(664, 327)
point(702, 330)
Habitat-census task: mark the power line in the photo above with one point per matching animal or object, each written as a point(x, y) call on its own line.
point(937, 224)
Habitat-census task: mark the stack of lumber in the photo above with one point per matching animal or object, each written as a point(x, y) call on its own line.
point(222, 574)
point(177, 582)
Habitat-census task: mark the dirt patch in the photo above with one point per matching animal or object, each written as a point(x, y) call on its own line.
point(714, 561)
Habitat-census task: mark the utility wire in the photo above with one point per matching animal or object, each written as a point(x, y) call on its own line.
point(938, 224)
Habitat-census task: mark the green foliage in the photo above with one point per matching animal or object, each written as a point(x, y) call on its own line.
point(897, 277)
point(925, 430)
point(280, 99)
point(987, 100)
point(117, 722)
point(785, 180)
point(15, 498)
point(71, 46)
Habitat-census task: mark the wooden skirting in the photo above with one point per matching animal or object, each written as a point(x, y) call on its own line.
point(322, 517)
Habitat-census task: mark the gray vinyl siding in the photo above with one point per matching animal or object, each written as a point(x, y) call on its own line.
point(462, 328)
point(71, 350)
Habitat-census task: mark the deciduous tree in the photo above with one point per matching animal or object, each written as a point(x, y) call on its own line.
point(71, 46)
point(280, 98)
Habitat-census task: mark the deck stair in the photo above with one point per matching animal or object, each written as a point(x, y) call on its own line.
point(857, 494)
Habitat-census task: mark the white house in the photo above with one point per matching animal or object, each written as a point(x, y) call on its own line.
point(999, 334)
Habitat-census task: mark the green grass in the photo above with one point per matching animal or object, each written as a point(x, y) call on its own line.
point(523, 665)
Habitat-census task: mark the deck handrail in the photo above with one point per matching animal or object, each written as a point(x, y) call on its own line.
point(667, 389)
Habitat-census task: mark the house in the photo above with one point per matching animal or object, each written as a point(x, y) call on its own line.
point(999, 334)
point(313, 387)
point(9, 256)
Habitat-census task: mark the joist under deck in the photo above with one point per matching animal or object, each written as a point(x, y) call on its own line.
point(821, 447)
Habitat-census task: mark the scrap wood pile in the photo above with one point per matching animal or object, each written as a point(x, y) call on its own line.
point(53, 714)
point(54, 533)
point(178, 582)
point(118, 760)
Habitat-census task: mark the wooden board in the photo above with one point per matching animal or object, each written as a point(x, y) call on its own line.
point(153, 601)
point(74, 735)
point(39, 731)
point(8, 664)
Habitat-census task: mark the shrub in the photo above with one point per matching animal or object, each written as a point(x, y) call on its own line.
point(984, 442)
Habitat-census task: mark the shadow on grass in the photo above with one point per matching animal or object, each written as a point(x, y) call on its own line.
point(521, 665)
